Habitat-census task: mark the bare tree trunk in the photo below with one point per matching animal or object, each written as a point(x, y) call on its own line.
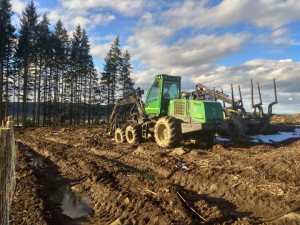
point(34, 97)
point(71, 103)
point(90, 100)
point(18, 104)
point(45, 101)
point(37, 112)
point(7, 88)
point(1, 80)
point(49, 100)
point(25, 86)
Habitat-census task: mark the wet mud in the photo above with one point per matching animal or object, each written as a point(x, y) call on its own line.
point(237, 182)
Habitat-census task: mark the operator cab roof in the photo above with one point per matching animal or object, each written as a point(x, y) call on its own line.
point(168, 77)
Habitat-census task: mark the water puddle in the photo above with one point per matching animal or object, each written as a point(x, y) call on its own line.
point(35, 161)
point(73, 204)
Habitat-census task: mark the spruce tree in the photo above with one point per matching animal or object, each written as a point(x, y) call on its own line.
point(6, 49)
point(124, 79)
point(61, 62)
point(111, 72)
point(75, 74)
point(26, 50)
point(43, 49)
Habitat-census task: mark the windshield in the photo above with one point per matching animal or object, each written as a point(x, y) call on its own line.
point(171, 90)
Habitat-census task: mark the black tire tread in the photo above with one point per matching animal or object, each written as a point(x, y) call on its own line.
point(121, 131)
point(174, 130)
point(136, 130)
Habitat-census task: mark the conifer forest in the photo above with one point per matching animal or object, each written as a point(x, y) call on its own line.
point(48, 77)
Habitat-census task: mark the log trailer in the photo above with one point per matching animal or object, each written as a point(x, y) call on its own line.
point(238, 121)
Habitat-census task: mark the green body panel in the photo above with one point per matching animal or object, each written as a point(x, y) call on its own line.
point(178, 108)
point(200, 111)
point(157, 101)
point(163, 99)
point(206, 112)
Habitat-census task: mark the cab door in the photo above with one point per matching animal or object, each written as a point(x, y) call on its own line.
point(152, 104)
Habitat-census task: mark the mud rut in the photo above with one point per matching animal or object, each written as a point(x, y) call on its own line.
point(146, 184)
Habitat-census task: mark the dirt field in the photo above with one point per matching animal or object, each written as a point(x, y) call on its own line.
point(230, 183)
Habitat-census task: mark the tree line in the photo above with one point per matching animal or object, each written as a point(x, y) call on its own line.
point(55, 73)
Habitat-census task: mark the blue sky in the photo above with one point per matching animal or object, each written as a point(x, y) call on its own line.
point(214, 42)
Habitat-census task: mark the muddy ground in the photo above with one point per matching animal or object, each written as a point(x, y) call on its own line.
point(238, 182)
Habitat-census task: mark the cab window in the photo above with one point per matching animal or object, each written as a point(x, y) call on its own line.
point(171, 90)
point(154, 92)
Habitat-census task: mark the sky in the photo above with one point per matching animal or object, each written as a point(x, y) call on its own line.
point(213, 42)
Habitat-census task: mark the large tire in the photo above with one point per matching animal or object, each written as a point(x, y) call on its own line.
point(235, 127)
point(133, 133)
point(167, 132)
point(120, 135)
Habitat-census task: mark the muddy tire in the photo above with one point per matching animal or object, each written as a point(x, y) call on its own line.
point(120, 135)
point(235, 127)
point(133, 133)
point(167, 132)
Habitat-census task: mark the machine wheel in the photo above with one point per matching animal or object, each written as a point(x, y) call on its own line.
point(235, 127)
point(120, 135)
point(167, 132)
point(133, 133)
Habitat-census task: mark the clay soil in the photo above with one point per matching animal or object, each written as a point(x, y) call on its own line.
point(236, 182)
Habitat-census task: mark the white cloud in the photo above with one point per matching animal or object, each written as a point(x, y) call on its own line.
point(125, 7)
point(280, 32)
point(87, 20)
point(99, 50)
point(278, 38)
point(261, 13)
point(190, 54)
point(199, 50)
point(18, 6)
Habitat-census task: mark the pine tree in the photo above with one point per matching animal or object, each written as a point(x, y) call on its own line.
point(6, 49)
point(110, 75)
point(75, 74)
point(26, 50)
point(61, 62)
point(86, 66)
point(124, 79)
point(43, 49)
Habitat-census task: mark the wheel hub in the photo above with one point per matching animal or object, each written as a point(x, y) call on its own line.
point(163, 132)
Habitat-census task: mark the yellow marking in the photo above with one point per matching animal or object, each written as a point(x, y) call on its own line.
point(199, 115)
point(152, 108)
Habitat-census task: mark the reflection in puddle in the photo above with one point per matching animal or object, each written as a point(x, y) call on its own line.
point(35, 161)
point(72, 204)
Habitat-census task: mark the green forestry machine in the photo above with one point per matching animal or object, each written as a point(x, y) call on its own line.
point(168, 115)
point(238, 121)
